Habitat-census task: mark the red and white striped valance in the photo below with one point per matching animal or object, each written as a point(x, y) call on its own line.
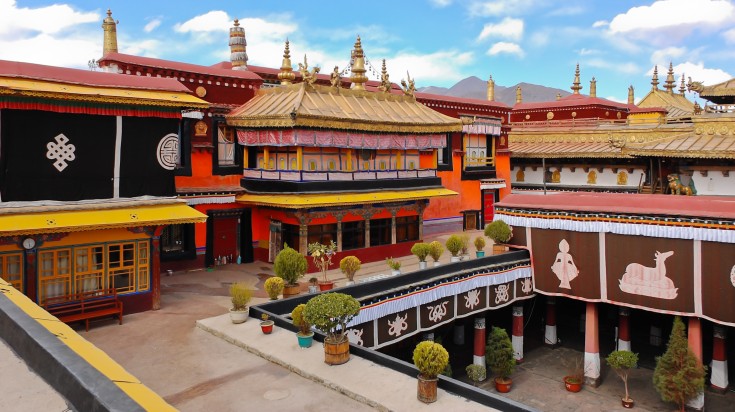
point(336, 138)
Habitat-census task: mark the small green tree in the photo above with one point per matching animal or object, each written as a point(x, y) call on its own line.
point(679, 375)
point(454, 244)
point(436, 249)
point(421, 250)
point(622, 361)
point(290, 265)
point(499, 354)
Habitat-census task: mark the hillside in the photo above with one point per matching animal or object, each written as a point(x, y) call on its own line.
point(476, 88)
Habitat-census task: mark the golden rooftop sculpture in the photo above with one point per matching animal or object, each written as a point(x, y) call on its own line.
point(654, 79)
point(631, 95)
point(109, 27)
point(491, 89)
point(308, 77)
point(408, 87)
point(385, 84)
point(335, 78)
point(682, 87)
point(358, 77)
point(593, 87)
point(576, 86)
point(670, 83)
point(286, 76)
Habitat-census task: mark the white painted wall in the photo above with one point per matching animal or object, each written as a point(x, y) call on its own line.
point(715, 183)
point(578, 178)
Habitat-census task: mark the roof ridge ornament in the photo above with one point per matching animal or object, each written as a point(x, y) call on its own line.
point(336, 78)
point(109, 28)
point(408, 86)
point(385, 84)
point(654, 79)
point(593, 87)
point(576, 85)
point(670, 83)
point(286, 76)
point(631, 95)
point(490, 89)
point(358, 77)
point(238, 47)
point(308, 77)
point(682, 87)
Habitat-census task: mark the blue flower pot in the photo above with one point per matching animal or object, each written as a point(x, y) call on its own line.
point(305, 341)
point(480, 253)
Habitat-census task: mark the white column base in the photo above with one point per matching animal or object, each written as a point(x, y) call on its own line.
point(517, 347)
point(592, 365)
point(478, 360)
point(624, 345)
point(697, 402)
point(718, 378)
point(550, 335)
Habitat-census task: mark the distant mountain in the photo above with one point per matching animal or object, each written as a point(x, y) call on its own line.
point(476, 88)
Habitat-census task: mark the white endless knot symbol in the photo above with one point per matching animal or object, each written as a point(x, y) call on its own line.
point(472, 299)
point(168, 151)
point(501, 294)
point(60, 151)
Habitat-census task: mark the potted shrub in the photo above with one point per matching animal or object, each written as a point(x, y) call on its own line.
point(574, 379)
point(394, 265)
point(500, 233)
point(430, 359)
point(480, 245)
point(313, 285)
point(436, 250)
point(240, 295)
point(274, 287)
point(464, 252)
point(476, 373)
point(622, 361)
point(305, 335)
point(322, 256)
point(290, 265)
point(454, 246)
point(266, 325)
point(330, 313)
point(500, 359)
point(421, 250)
point(349, 266)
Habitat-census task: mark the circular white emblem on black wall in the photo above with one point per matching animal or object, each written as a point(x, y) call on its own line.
point(168, 151)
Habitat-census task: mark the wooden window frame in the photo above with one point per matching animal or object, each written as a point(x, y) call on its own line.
point(4, 266)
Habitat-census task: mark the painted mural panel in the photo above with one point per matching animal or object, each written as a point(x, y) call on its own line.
point(397, 326)
point(472, 301)
point(436, 312)
point(362, 334)
point(566, 262)
point(718, 281)
point(650, 271)
point(501, 295)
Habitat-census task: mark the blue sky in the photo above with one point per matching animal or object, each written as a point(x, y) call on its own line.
point(438, 41)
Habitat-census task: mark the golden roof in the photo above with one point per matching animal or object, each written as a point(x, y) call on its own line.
point(709, 137)
point(726, 88)
point(305, 105)
point(676, 104)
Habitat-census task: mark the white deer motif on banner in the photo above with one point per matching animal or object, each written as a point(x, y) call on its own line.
point(564, 267)
point(398, 325)
point(472, 299)
point(649, 281)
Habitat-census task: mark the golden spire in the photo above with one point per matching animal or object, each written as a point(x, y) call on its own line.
point(238, 46)
point(558, 96)
point(682, 87)
point(593, 87)
point(358, 77)
point(519, 94)
point(491, 89)
point(576, 87)
point(109, 27)
point(670, 83)
point(385, 84)
point(286, 76)
point(654, 80)
point(631, 96)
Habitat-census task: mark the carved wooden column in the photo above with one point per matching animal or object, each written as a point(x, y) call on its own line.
point(367, 214)
point(393, 212)
point(339, 216)
point(719, 380)
point(624, 329)
point(421, 206)
point(156, 268)
point(478, 354)
point(517, 338)
point(304, 220)
point(592, 346)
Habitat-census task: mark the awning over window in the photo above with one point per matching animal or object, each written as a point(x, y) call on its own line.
point(338, 138)
point(481, 125)
point(28, 218)
point(302, 201)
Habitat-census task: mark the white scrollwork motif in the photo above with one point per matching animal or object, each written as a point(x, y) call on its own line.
point(355, 336)
point(472, 299)
point(398, 326)
point(61, 152)
point(526, 285)
point(168, 151)
point(501, 294)
point(436, 313)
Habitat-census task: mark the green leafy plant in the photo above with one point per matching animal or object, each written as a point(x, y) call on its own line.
point(679, 375)
point(274, 287)
point(330, 313)
point(622, 361)
point(575, 373)
point(297, 316)
point(436, 249)
point(498, 231)
point(464, 238)
point(476, 373)
point(313, 281)
point(264, 317)
point(349, 266)
point(322, 255)
point(479, 243)
point(290, 265)
point(499, 354)
point(421, 250)
point(454, 244)
point(430, 359)
point(240, 295)
point(393, 263)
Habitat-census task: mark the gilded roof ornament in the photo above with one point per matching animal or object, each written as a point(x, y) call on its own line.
point(558, 96)
point(384, 79)
point(358, 77)
point(593, 87)
point(408, 86)
point(697, 108)
point(670, 83)
point(654, 79)
point(695, 86)
point(631, 95)
point(335, 78)
point(682, 87)
point(109, 28)
point(286, 76)
point(576, 85)
point(238, 46)
point(491, 89)
point(519, 94)
point(308, 77)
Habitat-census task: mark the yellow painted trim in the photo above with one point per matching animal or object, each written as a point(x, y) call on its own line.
point(245, 163)
point(398, 160)
point(96, 358)
point(436, 158)
point(349, 159)
point(302, 201)
point(300, 158)
point(266, 158)
point(81, 220)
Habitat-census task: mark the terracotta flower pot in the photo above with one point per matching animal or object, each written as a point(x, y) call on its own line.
point(266, 326)
point(426, 391)
point(627, 403)
point(503, 385)
point(572, 384)
point(328, 285)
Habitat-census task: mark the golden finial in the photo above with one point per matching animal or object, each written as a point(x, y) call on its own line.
point(491, 89)
point(654, 79)
point(576, 86)
point(286, 76)
point(558, 96)
point(384, 79)
point(519, 94)
point(631, 96)
point(109, 28)
point(238, 46)
point(358, 77)
point(408, 87)
point(670, 83)
point(682, 87)
point(593, 87)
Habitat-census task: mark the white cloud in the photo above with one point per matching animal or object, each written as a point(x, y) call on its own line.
point(587, 52)
point(629, 67)
point(152, 25)
point(729, 36)
point(505, 47)
point(567, 11)
point(54, 19)
point(215, 20)
point(667, 54)
point(539, 38)
point(429, 69)
point(146, 48)
point(441, 3)
point(696, 71)
point(600, 23)
point(508, 28)
point(501, 7)
point(616, 99)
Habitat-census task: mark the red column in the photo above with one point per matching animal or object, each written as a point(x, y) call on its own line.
point(694, 335)
point(550, 333)
point(624, 329)
point(478, 357)
point(719, 380)
point(517, 338)
point(591, 346)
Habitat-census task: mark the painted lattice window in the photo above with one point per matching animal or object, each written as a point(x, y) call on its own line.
point(407, 228)
point(89, 268)
point(11, 269)
point(143, 264)
point(477, 153)
point(54, 273)
point(225, 146)
point(121, 267)
point(173, 238)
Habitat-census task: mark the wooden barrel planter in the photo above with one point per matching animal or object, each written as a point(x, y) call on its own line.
point(291, 290)
point(426, 389)
point(336, 353)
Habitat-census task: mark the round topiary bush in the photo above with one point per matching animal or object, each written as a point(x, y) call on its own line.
point(499, 354)
point(290, 265)
point(349, 266)
point(421, 250)
point(330, 313)
point(274, 287)
point(498, 231)
point(430, 359)
point(297, 317)
point(479, 243)
point(240, 295)
point(436, 249)
point(454, 244)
